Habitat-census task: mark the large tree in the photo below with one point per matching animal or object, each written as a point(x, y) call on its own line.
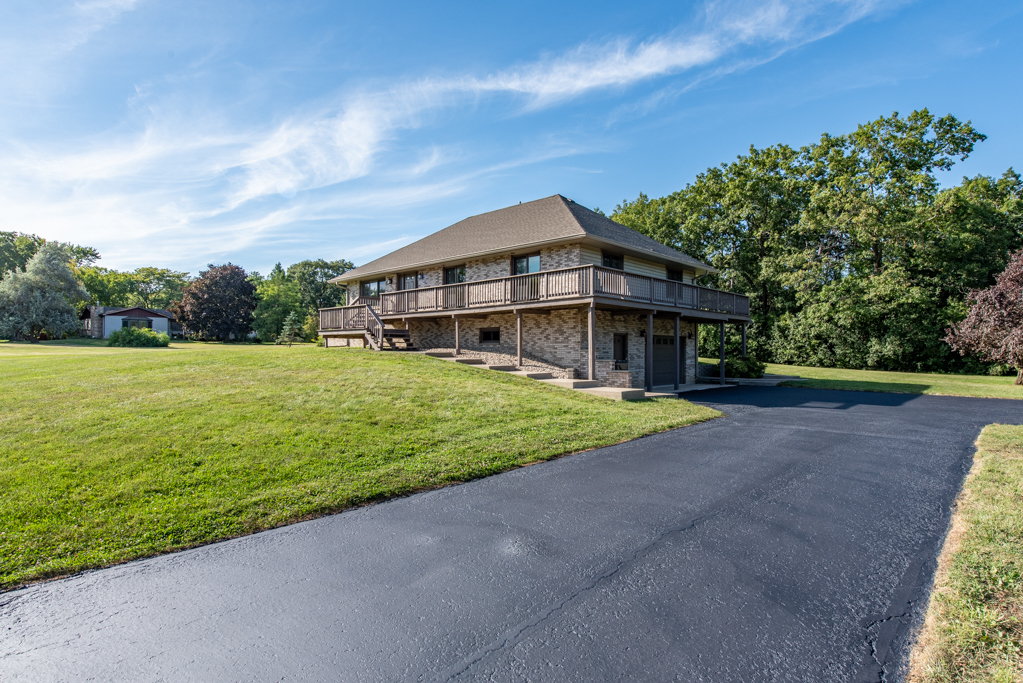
point(147, 287)
point(312, 279)
point(278, 297)
point(17, 248)
point(42, 298)
point(218, 304)
point(737, 217)
point(155, 287)
point(106, 287)
point(850, 251)
point(993, 329)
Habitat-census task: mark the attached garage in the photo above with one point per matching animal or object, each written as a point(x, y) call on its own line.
point(665, 360)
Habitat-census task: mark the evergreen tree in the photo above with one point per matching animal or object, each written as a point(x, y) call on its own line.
point(41, 299)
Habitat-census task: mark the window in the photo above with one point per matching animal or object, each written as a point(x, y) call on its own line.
point(621, 351)
point(677, 275)
point(408, 280)
point(616, 261)
point(137, 322)
point(372, 290)
point(452, 276)
point(490, 335)
point(526, 264)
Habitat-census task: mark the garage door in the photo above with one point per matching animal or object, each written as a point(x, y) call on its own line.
point(664, 359)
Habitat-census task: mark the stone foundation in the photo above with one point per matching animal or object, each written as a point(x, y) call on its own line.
point(528, 364)
point(559, 338)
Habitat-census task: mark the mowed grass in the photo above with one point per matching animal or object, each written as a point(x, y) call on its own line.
point(984, 386)
point(974, 625)
point(112, 454)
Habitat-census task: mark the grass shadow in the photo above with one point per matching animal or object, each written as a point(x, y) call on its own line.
point(853, 385)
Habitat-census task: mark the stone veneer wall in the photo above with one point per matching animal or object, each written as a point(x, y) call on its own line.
point(488, 268)
point(561, 339)
point(555, 338)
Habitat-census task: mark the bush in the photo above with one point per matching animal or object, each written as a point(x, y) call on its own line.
point(137, 337)
point(747, 368)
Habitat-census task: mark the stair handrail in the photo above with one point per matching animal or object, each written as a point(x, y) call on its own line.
point(379, 334)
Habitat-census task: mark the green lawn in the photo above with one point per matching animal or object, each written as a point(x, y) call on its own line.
point(974, 625)
point(110, 454)
point(901, 382)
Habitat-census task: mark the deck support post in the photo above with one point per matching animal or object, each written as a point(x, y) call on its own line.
point(591, 348)
point(456, 334)
point(678, 353)
point(518, 334)
point(744, 340)
point(721, 342)
point(649, 361)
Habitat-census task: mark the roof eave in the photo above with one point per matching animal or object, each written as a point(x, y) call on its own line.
point(686, 260)
point(355, 275)
point(347, 277)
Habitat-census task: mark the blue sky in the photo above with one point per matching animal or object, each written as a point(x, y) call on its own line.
point(177, 134)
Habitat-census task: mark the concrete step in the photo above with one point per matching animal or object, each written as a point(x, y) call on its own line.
point(467, 361)
point(573, 383)
point(439, 354)
point(532, 375)
point(503, 368)
point(616, 394)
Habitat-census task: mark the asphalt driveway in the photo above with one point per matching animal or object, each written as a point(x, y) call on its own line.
point(791, 541)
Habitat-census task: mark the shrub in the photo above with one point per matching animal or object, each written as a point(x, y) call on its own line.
point(137, 337)
point(748, 367)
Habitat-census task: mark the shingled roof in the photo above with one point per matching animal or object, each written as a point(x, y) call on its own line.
point(544, 221)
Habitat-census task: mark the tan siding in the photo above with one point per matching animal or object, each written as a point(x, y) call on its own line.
point(641, 267)
point(590, 256)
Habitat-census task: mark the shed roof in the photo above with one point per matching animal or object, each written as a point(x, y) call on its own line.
point(543, 221)
point(100, 311)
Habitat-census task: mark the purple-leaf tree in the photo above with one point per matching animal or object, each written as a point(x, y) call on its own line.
point(994, 327)
point(218, 304)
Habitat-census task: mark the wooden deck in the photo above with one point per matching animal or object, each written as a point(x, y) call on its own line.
point(568, 286)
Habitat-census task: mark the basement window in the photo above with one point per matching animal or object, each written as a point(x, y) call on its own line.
point(490, 335)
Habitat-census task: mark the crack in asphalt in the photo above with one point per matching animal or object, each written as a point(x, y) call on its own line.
point(787, 474)
point(872, 640)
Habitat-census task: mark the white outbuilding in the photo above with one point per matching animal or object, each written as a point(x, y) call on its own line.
point(102, 321)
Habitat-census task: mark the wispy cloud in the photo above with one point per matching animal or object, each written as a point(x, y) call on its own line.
point(198, 189)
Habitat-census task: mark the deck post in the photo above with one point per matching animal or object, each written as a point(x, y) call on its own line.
point(721, 340)
point(744, 340)
point(518, 334)
point(678, 353)
point(591, 342)
point(649, 361)
point(456, 334)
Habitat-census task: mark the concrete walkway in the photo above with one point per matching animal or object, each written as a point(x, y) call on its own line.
point(791, 541)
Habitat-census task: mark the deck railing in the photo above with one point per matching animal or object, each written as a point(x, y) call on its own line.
point(344, 318)
point(548, 285)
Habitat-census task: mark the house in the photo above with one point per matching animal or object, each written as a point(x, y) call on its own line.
point(549, 279)
point(102, 321)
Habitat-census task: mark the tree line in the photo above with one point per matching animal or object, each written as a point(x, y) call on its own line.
point(46, 285)
point(851, 252)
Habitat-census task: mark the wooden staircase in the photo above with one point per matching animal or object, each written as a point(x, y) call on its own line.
point(394, 339)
